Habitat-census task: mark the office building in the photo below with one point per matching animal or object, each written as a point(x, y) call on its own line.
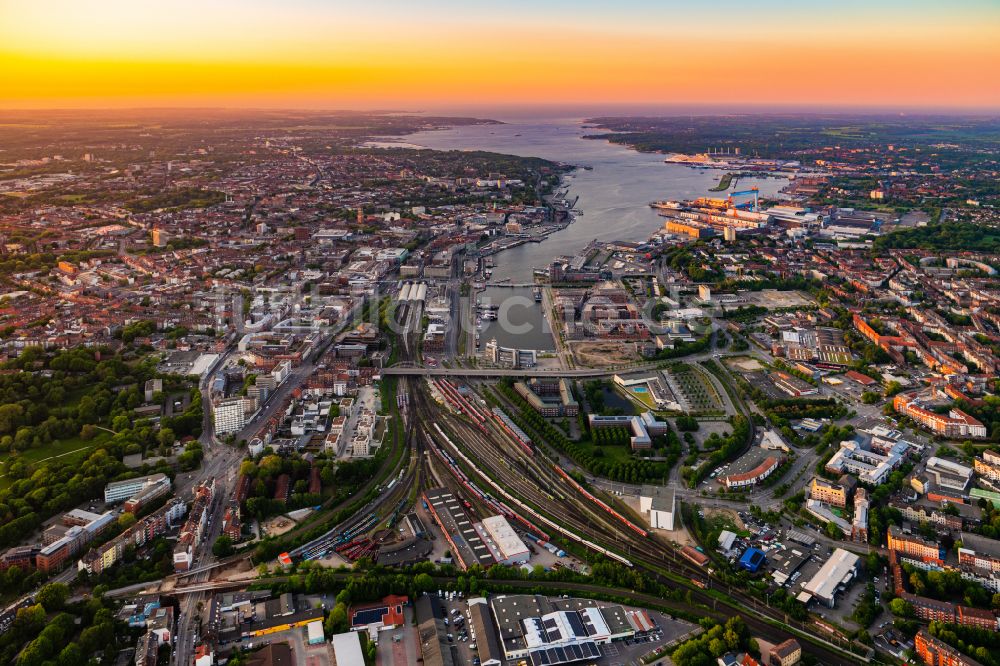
point(948, 476)
point(659, 502)
point(118, 491)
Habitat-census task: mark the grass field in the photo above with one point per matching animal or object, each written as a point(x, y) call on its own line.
point(614, 453)
point(723, 183)
point(66, 450)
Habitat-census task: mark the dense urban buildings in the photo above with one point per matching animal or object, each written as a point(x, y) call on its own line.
point(245, 351)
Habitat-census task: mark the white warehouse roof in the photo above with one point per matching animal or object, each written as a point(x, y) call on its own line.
point(837, 571)
point(503, 535)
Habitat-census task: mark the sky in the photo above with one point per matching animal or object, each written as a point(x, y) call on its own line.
point(441, 54)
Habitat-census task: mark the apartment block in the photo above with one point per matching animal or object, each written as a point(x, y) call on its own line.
point(831, 493)
point(914, 546)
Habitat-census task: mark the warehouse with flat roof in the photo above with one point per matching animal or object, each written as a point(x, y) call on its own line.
point(503, 541)
point(834, 576)
point(459, 531)
point(487, 639)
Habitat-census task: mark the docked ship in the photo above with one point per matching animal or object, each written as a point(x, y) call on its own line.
point(537, 292)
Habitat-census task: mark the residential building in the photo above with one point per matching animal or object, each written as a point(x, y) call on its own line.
point(987, 465)
point(229, 416)
point(956, 424)
point(935, 652)
point(828, 492)
point(787, 653)
point(916, 547)
point(192, 532)
point(145, 530)
point(859, 522)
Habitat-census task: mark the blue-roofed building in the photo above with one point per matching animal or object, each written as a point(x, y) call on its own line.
point(752, 559)
point(139, 612)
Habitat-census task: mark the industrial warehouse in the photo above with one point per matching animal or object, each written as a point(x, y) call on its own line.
point(485, 543)
point(548, 632)
point(537, 630)
point(245, 615)
point(466, 543)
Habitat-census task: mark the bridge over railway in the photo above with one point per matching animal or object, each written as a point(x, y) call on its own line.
point(413, 369)
point(421, 371)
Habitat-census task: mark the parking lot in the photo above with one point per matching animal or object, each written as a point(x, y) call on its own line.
point(631, 651)
point(458, 620)
point(398, 647)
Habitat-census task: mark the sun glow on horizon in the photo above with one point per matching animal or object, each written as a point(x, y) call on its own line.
point(56, 53)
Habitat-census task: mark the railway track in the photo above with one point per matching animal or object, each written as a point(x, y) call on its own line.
point(383, 511)
point(547, 495)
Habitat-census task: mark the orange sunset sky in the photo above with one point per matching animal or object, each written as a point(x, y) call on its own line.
point(440, 53)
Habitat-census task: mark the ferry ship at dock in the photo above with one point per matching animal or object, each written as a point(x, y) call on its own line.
point(666, 205)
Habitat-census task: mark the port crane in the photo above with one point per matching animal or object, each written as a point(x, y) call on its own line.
point(756, 198)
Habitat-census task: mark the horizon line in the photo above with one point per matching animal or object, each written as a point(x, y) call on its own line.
point(709, 108)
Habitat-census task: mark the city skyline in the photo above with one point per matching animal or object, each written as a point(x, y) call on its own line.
point(308, 54)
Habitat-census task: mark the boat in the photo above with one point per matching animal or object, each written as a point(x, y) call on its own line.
point(537, 292)
point(665, 205)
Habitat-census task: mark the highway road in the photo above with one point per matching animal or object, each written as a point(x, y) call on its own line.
point(222, 463)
